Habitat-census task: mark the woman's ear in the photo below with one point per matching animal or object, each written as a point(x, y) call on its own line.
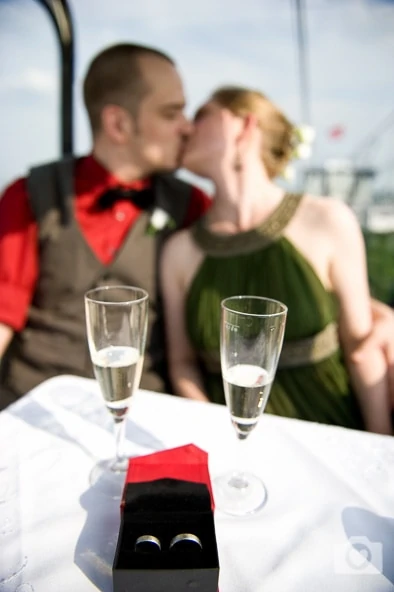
point(250, 124)
point(248, 127)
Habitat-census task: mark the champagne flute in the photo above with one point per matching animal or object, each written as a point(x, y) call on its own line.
point(116, 321)
point(251, 337)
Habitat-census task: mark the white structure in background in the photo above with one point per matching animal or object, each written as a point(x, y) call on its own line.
point(354, 185)
point(380, 218)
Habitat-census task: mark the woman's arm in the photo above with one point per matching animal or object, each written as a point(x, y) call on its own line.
point(382, 337)
point(184, 373)
point(348, 273)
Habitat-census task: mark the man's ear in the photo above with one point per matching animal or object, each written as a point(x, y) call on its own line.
point(116, 123)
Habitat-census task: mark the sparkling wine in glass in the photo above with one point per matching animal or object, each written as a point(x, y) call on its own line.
point(116, 321)
point(251, 338)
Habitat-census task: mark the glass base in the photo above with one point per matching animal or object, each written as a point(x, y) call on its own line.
point(239, 493)
point(108, 477)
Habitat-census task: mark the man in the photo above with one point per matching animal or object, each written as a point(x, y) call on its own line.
point(59, 239)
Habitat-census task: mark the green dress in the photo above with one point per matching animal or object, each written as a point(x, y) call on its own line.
point(311, 382)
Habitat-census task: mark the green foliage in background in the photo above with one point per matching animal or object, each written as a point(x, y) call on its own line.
point(380, 257)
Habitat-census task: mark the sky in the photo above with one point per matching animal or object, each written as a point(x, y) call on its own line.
point(253, 42)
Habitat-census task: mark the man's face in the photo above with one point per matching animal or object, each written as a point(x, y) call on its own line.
point(160, 128)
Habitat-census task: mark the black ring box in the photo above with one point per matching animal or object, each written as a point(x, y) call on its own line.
point(164, 508)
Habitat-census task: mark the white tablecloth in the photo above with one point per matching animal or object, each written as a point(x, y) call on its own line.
point(327, 487)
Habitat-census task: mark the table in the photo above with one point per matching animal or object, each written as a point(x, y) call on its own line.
point(327, 487)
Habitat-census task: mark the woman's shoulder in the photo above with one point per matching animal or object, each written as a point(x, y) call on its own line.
point(180, 259)
point(175, 244)
point(179, 240)
point(180, 248)
point(328, 213)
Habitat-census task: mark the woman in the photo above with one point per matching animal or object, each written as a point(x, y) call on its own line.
point(256, 239)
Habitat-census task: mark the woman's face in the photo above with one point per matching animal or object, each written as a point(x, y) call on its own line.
point(212, 141)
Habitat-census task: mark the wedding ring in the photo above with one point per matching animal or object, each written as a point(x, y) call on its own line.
point(147, 543)
point(185, 541)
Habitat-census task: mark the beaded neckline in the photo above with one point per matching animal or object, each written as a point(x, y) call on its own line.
point(223, 245)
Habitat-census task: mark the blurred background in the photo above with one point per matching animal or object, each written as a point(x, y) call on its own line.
point(326, 63)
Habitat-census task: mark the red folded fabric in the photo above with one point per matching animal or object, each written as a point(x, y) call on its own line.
point(188, 463)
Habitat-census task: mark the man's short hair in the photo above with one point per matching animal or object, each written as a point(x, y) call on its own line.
point(115, 77)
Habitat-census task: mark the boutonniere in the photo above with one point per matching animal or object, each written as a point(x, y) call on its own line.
point(159, 220)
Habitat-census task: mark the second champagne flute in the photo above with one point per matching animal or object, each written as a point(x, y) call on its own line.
point(251, 338)
point(116, 321)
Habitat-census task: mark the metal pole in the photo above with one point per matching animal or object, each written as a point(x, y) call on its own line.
point(303, 69)
point(60, 14)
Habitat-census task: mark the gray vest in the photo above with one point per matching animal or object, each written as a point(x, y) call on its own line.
point(54, 339)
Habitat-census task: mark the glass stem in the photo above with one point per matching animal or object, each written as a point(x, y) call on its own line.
point(238, 478)
point(120, 426)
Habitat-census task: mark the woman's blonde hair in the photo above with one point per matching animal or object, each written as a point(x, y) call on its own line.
point(278, 144)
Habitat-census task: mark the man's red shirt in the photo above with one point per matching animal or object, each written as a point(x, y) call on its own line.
point(103, 229)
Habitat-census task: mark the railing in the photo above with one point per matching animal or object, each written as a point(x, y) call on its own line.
point(60, 14)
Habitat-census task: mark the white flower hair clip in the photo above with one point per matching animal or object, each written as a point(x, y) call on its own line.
point(288, 173)
point(304, 136)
